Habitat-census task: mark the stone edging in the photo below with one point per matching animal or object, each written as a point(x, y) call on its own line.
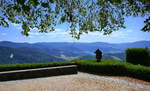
point(39, 72)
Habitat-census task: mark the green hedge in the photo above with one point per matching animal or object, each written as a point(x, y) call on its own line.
point(105, 67)
point(138, 56)
point(32, 65)
point(114, 68)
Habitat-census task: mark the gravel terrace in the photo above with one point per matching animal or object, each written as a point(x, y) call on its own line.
point(79, 82)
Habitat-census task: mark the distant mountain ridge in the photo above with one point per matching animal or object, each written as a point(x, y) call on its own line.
point(67, 50)
point(10, 55)
point(88, 47)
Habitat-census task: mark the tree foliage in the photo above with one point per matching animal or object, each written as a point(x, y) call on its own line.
point(147, 26)
point(138, 56)
point(82, 16)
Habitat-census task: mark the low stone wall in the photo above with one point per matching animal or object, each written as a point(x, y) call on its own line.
point(39, 72)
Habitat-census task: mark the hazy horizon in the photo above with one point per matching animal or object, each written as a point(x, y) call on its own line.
point(78, 42)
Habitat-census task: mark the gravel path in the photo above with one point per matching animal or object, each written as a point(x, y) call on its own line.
point(79, 82)
point(123, 82)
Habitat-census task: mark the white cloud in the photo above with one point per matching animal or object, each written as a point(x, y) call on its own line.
point(31, 36)
point(58, 29)
point(129, 30)
point(57, 32)
point(121, 34)
point(3, 34)
point(115, 34)
point(59, 35)
point(34, 29)
point(34, 33)
point(17, 26)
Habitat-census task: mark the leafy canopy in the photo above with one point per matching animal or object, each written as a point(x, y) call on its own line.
point(81, 16)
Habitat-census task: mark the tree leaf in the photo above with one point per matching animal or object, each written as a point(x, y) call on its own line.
point(3, 23)
point(21, 2)
point(26, 8)
point(26, 29)
point(34, 2)
point(83, 12)
point(45, 5)
point(52, 1)
point(63, 18)
point(75, 12)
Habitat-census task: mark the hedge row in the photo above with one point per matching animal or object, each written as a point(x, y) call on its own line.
point(114, 68)
point(138, 56)
point(11, 67)
point(105, 67)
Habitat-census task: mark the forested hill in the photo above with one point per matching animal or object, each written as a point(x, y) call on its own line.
point(10, 55)
point(58, 51)
point(77, 46)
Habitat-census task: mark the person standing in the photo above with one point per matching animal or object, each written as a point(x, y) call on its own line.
point(98, 55)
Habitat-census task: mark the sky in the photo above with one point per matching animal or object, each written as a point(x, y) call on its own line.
point(131, 33)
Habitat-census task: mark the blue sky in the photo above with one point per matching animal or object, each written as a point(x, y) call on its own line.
point(130, 34)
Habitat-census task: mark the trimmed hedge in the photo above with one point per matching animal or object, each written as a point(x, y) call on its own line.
point(105, 67)
point(11, 67)
point(138, 56)
point(114, 68)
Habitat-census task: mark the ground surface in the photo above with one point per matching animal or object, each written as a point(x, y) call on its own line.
point(79, 82)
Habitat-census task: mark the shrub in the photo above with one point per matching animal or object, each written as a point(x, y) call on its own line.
point(138, 56)
point(114, 68)
point(105, 67)
point(11, 67)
